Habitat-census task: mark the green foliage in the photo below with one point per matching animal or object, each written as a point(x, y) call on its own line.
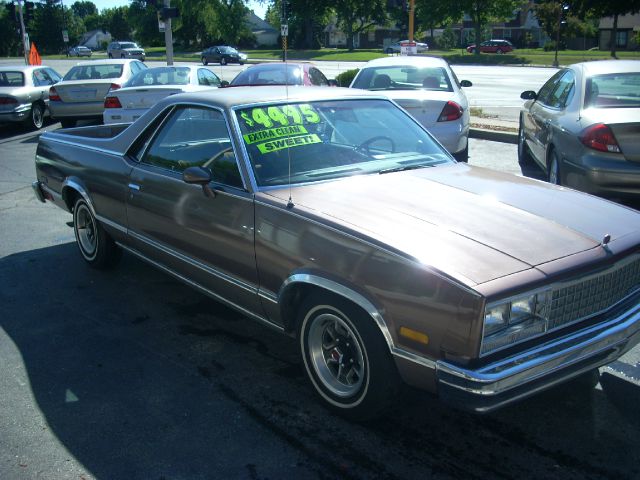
point(232, 25)
point(9, 38)
point(448, 39)
point(84, 8)
point(356, 16)
point(45, 29)
point(345, 78)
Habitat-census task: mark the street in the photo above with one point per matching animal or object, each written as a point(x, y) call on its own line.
point(130, 374)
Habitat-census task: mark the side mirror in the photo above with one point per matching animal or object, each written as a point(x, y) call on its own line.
point(199, 176)
point(224, 83)
point(333, 82)
point(529, 95)
point(466, 83)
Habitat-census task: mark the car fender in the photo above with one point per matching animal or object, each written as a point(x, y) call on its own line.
point(73, 185)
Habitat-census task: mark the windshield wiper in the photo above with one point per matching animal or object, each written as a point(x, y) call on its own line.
point(402, 168)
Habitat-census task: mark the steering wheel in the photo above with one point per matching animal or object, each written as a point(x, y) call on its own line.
point(212, 160)
point(364, 146)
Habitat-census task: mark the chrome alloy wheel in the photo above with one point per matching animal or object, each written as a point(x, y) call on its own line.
point(86, 231)
point(336, 355)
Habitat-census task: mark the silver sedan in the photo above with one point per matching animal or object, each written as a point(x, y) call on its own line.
point(81, 93)
point(583, 128)
point(24, 93)
point(429, 90)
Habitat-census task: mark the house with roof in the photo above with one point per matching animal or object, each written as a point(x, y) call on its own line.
point(266, 35)
point(95, 39)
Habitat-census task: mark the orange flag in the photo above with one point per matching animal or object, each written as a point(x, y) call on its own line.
point(34, 56)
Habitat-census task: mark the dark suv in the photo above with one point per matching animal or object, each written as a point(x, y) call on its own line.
point(492, 46)
point(222, 54)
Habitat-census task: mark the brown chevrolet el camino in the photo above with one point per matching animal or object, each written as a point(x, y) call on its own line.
point(334, 217)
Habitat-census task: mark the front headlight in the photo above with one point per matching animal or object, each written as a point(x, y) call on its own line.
point(510, 322)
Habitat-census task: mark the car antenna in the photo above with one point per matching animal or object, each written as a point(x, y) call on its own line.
point(284, 30)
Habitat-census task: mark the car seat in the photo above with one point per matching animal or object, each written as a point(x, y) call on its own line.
point(382, 81)
point(430, 82)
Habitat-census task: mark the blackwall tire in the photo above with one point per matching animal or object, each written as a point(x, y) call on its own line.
point(554, 171)
point(96, 247)
point(346, 357)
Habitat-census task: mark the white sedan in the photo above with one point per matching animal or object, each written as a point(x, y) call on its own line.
point(145, 89)
point(429, 90)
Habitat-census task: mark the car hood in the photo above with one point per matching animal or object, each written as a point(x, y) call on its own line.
point(473, 224)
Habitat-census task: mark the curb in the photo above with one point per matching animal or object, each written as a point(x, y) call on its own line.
point(493, 135)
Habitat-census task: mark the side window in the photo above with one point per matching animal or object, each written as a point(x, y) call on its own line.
point(563, 93)
point(195, 136)
point(212, 78)
point(41, 78)
point(54, 76)
point(202, 79)
point(548, 87)
point(317, 77)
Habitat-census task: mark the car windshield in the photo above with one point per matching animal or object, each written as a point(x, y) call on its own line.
point(11, 79)
point(313, 142)
point(270, 75)
point(94, 72)
point(160, 76)
point(404, 78)
point(613, 90)
point(227, 50)
point(128, 45)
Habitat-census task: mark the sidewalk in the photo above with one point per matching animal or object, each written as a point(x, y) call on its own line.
point(494, 129)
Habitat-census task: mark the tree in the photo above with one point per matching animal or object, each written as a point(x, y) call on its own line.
point(198, 23)
point(357, 16)
point(9, 33)
point(306, 19)
point(84, 8)
point(116, 22)
point(232, 24)
point(49, 20)
point(144, 20)
point(432, 14)
point(483, 12)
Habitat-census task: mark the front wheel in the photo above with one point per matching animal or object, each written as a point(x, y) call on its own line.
point(345, 357)
point(524, 157)
point(204, 61)
point(110, 56)
point(462, 155)
point(96, 246)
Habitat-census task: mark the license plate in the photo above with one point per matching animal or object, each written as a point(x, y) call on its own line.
point(83, 94)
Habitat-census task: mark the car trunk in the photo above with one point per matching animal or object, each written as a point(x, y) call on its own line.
point(83, 90)
point(133, 98)
point(425, 107)
point(625, 125)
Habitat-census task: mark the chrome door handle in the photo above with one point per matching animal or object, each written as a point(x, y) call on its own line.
point(133, 186)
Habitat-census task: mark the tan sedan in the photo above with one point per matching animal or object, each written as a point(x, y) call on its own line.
point(81, 93)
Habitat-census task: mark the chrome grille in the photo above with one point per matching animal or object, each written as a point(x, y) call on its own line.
point(592, 295)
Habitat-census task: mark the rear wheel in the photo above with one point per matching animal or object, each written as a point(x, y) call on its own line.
point(223, 61)
point(96, 246)
point(36, 117)
point(524, 157)
point(110, 56)
point(554, 168)
point(204, 61)
point(389, 50)
point(463, 155)
point(499, 52)
point(345, 357)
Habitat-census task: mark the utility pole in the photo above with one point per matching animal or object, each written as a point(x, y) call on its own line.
point(168, 34)
point(23, 33)
point(412, 6)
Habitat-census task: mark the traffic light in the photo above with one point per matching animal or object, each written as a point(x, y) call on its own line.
point(28, 11)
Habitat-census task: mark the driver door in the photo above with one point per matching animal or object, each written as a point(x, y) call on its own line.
point(207, 240)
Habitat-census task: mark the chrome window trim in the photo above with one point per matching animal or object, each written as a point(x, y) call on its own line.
point(87, 147)
point(202, 288)
point(111, 223)
point(448, 279)
point(195, 263)
point(362, 302)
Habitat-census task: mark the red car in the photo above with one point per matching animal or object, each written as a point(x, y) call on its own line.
point(492, 46)
point(280, 73)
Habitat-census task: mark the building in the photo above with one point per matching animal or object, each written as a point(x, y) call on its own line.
point(95, 39)
point(627, 32)
point(266, 35)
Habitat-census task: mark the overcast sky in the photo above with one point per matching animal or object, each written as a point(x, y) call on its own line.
point(257, 8)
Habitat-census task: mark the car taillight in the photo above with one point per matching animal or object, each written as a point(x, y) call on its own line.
point(53, 95)
point(600, 137)
point(112, 102)
point(8, 101)
point(114, 86)
point(451, 111)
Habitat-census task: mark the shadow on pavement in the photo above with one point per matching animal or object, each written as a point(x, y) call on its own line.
point(139, 377)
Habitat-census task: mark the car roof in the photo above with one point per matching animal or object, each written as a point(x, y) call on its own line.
point(598, 67)
point(412, 61)
point(109, 61)
point(231, 97)
point(21, 68)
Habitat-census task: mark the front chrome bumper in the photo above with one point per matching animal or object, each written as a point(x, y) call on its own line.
point(510, 379)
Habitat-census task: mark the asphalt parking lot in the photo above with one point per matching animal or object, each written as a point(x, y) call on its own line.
point(130, 374)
